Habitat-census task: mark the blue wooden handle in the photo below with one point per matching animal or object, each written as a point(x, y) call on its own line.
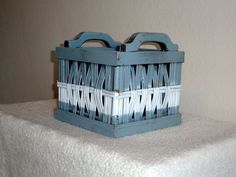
point(81, 38)
point(138, 39)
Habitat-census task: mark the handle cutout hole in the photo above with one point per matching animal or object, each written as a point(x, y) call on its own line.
point(95, 43)
point(152, 46)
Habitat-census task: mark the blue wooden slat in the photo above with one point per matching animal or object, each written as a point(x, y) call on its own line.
point(87, 55)
point(117, 130)
point(152, 57)
point(109, 57)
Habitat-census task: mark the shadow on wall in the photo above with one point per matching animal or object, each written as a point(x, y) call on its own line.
point(53, 59)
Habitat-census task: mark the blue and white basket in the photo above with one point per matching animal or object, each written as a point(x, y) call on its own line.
point(119, 89)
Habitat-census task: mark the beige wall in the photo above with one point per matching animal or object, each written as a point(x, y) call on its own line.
point(204, 29)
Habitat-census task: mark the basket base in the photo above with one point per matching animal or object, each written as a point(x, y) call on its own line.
point(117, 130)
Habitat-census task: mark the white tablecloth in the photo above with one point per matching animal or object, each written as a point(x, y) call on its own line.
point(34, 144)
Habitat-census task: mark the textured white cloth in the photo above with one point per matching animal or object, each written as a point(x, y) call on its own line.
point(34, 144)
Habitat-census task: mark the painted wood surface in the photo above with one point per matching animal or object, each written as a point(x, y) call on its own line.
point(137, 39)
point(83, 37)
point(116, 58)
point(117, 131)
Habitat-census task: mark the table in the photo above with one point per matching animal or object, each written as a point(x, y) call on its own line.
point(34, 144)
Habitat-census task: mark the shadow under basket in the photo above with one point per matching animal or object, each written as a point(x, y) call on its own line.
point(119, 89)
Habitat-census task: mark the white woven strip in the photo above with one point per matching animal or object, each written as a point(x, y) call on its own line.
point(164, 89)
point(69, 94)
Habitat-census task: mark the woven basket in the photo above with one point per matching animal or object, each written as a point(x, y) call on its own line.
point(119, 89)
